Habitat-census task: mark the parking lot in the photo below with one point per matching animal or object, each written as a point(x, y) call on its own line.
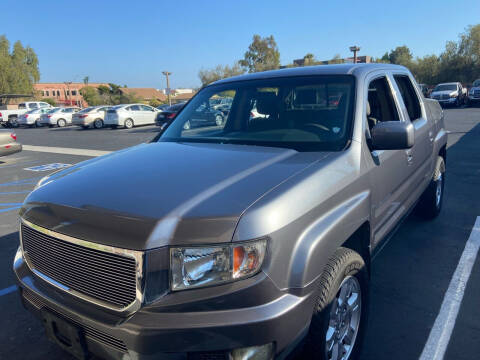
point(409, 279)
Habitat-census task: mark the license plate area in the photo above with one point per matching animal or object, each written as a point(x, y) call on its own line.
point(65, 334)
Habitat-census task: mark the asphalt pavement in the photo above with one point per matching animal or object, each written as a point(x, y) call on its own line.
point(409, 277)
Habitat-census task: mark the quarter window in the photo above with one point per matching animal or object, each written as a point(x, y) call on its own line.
point(409, 96)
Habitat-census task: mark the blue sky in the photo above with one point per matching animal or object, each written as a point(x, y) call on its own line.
point(131, 43)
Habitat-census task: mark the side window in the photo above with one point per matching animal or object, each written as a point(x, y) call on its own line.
point(380, 105)
point(146, 108)
point(134, 108)
point(409, 96)
point(33, 106)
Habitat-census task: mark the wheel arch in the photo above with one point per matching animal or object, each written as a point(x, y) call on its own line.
point(359, 242)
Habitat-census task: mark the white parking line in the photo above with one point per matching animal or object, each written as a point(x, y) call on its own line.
point(66, 151)
point(442, 328)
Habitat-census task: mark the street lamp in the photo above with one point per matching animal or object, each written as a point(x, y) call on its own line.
point(167, 74)
point(354, 49)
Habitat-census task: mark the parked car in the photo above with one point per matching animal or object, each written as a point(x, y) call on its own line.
point(168, 114)
point(32, 118)
point(242, 241)
point(221, 102)
point(60, 117)
point(163, 107)
point(8, 143)
point(449, 94)
point(90, 117)
point(205, 115)
point(474, 93)
point(130, 115)
point(9, 117)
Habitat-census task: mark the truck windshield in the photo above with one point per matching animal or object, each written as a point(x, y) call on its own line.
point(302, 113)
point(447, 87)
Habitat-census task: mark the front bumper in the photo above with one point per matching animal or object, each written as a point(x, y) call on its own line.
point(180, 326)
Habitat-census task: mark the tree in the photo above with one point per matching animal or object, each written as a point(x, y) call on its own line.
point(154, 102)
point(91, 95)
point(262, 54)
point(18, 68)
point(208, 76)
point(309, 59)
point(50, 101)
point(85, 80)
point(401, 55)
point(337, 59)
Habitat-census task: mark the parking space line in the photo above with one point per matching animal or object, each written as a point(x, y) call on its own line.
point(29, 181)
point(10, 209)
point(441, 332)
point(65, 151)
point(14, 192)
point(8, 290)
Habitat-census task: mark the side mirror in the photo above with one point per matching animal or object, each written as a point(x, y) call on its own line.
point(392, 135)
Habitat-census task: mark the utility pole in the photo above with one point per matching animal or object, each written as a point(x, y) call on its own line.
point(167, 74)
point(354, 49)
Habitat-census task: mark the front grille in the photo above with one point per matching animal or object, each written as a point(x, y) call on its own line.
point(89, 331)
point(108, 277)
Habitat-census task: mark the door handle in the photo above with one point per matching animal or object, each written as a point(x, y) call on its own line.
point(430, 135)
point(409, 158)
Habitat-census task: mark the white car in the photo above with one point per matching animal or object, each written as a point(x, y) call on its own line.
point(130, 115)
point(32, 118)
point(9, 117)
point(58, 116)
point(90, 116)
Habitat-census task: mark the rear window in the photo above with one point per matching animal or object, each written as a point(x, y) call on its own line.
point(22, 106)
point(54, 110)
point(445, 87)
point(87, 110)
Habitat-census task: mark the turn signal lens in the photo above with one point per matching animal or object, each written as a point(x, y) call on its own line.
point(247, 258)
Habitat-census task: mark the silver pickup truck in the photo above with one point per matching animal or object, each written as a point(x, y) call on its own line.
point(244, 240)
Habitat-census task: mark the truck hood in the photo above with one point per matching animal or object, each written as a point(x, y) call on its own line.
point(161, 194)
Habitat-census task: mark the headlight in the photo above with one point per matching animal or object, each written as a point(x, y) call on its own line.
point(192, 267)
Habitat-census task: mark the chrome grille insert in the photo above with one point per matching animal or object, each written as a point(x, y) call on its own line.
point(108, 276)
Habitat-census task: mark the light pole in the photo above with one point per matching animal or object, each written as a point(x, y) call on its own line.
point(167, 74)
point(354, 49)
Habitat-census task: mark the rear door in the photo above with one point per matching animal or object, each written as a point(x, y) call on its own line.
point(420, 155)
point(136, 114)
point(388, 169)
point(148, 114)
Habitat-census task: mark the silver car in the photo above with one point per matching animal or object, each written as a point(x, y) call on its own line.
point(58, 116)
point(130, 115)
point(91, 116)
point(8, 143)
point(32, 118)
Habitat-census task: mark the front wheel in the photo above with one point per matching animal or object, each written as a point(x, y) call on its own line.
point(431, 201)
point(340, 314)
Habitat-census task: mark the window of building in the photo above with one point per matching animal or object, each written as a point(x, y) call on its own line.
point(409, 96)
point(47, 93)
point(58, 92)
point(74, 92)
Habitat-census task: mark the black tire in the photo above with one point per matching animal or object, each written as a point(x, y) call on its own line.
point(37, 124)
point(128, 124)
point(344, 264)
point(85, 127)
point(431, 201)
point(98, 123)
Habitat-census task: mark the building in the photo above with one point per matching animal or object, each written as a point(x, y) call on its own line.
point(64, 94)
point(145, 94)
point(360, 59)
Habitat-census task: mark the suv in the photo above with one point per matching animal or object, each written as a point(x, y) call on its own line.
point(449, 94)
point(242, 240)
point(474, 93)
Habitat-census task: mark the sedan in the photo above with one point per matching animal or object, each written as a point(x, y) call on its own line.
point(32, 117)
point(130, 115)
point(205, 116)
point(8, 143)
point(168, 114)
point(60, 117)
point(91, 116)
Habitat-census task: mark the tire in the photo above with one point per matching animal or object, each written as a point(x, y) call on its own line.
point(37, 124)
point(332, 322)
point(187, 125)
point(219, 120)
point(61, 123)
point(13, 122)
point(98, 123)
point(431, 201)
point(128, 124)
point(85, 127)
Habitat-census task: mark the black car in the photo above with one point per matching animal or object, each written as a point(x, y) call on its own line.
point(168, 114)
point(206, 115)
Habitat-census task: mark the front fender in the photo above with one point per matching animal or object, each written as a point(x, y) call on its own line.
point(322, 238)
